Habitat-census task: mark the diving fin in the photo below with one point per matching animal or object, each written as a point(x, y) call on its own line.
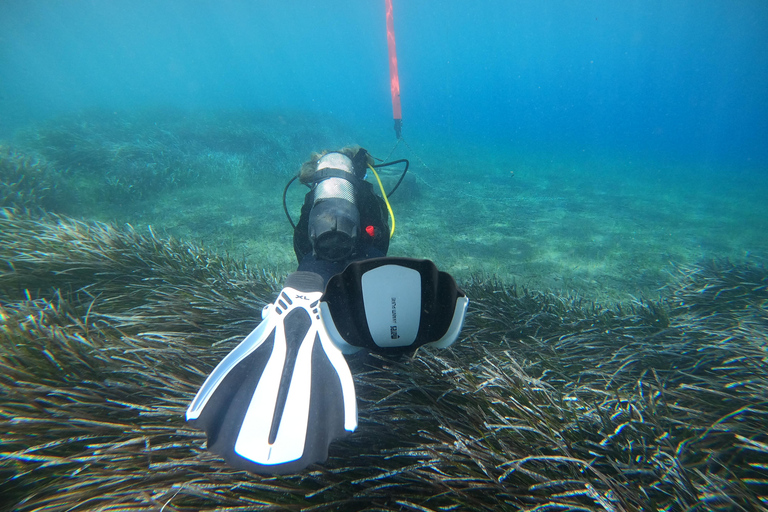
point(392, 306)
point(275, 403)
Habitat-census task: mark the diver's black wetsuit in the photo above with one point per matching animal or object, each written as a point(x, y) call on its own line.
point(373, 219)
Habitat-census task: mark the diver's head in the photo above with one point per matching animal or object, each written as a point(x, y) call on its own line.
point(334, 221)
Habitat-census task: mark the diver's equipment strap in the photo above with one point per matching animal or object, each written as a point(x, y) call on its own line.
point(304, 281)
point(392, 305)
point(329, 172)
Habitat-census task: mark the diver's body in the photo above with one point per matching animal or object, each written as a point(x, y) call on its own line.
point(275, 403)
point(369, 238)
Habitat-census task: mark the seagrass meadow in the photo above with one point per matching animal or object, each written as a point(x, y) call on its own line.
point(649, 395)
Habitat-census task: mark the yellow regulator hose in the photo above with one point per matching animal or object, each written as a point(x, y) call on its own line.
point(384, 195)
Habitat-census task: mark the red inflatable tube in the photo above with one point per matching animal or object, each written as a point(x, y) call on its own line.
point(394, 80)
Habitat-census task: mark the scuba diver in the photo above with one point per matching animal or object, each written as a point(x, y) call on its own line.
point(342, 219)
point(275, 403)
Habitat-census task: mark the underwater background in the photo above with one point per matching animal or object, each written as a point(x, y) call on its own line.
point(594, 174)
point(584, 146)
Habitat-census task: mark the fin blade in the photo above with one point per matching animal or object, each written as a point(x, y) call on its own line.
point(283, 398)
point(254, 440)
point(246, 347)
point(349, 398)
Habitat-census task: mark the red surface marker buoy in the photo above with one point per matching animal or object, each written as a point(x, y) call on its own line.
point(394, 80)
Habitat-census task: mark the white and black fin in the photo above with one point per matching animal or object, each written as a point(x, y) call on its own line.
point(276, 402)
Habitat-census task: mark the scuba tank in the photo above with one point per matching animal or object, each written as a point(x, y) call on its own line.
point(334, 221)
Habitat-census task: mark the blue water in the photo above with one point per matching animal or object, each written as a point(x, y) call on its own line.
point(680, 80)
point(599, 149)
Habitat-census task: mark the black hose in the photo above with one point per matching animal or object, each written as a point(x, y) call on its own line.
point(285, 203)
point(402, 176)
